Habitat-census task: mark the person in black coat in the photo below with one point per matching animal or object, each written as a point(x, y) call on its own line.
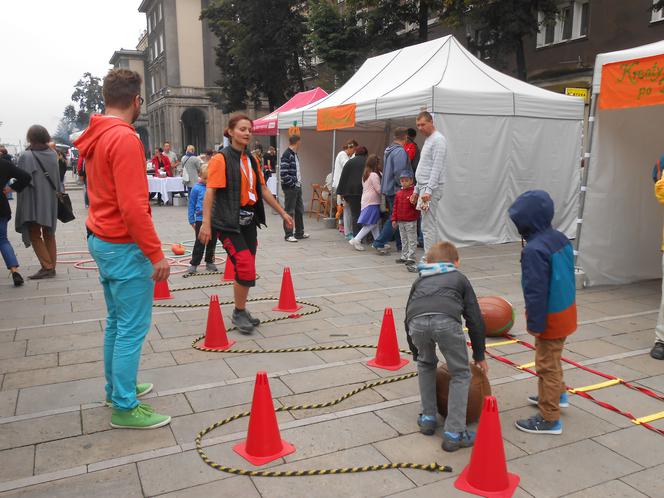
point(17, 180)
point(350, 183)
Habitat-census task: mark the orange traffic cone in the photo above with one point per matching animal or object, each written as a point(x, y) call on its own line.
point(215, 331)
point(387, 353)
point(264, 442)
point(229, 271)
point(487, 475)
point(287, 300)
point(161, 291)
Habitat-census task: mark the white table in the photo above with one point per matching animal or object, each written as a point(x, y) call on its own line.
point(165, 186)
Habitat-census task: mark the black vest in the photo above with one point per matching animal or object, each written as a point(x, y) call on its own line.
point(226, 208)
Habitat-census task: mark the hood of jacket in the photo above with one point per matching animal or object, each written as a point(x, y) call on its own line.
point(99, 124)
point(390, 148)
point(532, 212)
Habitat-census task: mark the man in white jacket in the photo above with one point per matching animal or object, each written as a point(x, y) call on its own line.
point(430, 176)
point(342, 158)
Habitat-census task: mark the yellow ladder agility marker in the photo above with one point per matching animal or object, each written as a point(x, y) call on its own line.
point(648, 418)
point(593, 387)
point(501, 343)
point(526, 365)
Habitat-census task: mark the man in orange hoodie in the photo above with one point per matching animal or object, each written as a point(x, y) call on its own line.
point(123, 241)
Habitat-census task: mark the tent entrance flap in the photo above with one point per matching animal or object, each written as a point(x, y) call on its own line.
point(632, 83)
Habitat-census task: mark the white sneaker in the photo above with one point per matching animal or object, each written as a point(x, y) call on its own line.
point(291, 239)
point(357, 245)
point(304, 236)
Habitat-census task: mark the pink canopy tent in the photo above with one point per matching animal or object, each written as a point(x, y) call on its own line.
point(267, 125)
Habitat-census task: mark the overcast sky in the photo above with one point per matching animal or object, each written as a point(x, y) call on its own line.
point(47, 45)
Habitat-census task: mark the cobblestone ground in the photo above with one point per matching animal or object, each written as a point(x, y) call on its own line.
point(55, 438)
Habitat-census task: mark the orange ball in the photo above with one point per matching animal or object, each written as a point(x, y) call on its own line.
point(498, 315)
point(177, 249)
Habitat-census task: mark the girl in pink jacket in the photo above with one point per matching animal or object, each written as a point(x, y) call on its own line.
point(370, 204)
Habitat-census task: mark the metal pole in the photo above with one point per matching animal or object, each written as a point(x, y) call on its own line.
point(584, 174)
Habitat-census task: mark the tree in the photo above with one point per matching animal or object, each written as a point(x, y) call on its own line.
point(87, 94)
point(260, 52)
point(67, 125)
point(504, 24)
point(387, 23)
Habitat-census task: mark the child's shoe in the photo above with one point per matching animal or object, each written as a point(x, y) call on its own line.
point(141, 417)
point(564, 401)
point(211, 267)
point(192, 269)
point(357, 245)
point(537, 425)
point(427, 424)
point(141, 390)
point(452, 441)
point(349, 236)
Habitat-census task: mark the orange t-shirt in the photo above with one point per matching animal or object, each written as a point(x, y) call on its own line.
point(217, 178)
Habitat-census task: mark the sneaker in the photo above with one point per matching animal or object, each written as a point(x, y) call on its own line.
point(141, 390)
point(427, 424)
point(18, 279)
point(211, 267)
point(383, 251)
point(452, 441)
point(254, 321)
point(241, 319)
point(412, 268)
point(349, 236)
point(141, 417)
point(564, 401)
point(290, 239)
point(537, 425)
point(303, 236)
point(192, 269)
point(401, 261)
point(657, 351)
point(357, 245)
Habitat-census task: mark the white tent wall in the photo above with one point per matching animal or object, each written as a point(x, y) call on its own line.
point(622, 222)
point(493, 159)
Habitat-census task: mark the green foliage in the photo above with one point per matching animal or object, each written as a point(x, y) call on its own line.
point(68, 124)
point(260, 51)
point(87, 94)
point(385, 22)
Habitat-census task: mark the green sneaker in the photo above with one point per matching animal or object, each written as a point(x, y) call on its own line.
point(141, 390)
point(140, 417)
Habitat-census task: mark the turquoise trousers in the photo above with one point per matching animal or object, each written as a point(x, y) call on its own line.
point(126, 276)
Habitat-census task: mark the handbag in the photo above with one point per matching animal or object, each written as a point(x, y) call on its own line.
point(185, 172)
point(65, 211)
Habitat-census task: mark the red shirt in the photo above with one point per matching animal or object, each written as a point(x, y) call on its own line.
point(411, 150)
point(403, 209)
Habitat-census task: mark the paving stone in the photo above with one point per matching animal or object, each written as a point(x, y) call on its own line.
point(64, 343)
point(7, 336)
point(235, 486)
point(38, 430)
point(167, 378)
point(514, 394)
point(349, 485)
point(272, 362)
point(12, 350)
point(8, 402)
point(91, 448)
point(328, 377)
point(642, 363)
point(98, 419)
point(53, 375)
point(402, 418)
point(50, 397)
point(446, 488)
point(594, 348)
point(644, 324)
point(588, 332)
point(655, 383)
point(112, 483)
point(16, 463)
point(231, 395)
point(648, 481)
point(58, 330)
point(28, 363)
point(610, 489)
point(641, 446)
point(583, 464)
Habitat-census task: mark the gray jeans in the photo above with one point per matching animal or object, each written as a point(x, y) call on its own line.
point(426, 331)
point(408, 231)
point(431, 220)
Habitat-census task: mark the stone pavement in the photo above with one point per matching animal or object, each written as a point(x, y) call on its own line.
point(54, 434)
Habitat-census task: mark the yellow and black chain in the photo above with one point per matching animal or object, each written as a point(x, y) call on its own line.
point(431, 467)
point(302, 349)
point(202, 286)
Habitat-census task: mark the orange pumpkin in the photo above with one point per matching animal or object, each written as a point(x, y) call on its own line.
point(177, 249)
point(294, 130)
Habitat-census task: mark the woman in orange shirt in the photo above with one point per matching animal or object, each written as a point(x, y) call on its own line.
point(233, 209)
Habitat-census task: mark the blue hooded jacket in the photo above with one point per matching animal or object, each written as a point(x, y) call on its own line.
point(394, 162)
point(547, 267)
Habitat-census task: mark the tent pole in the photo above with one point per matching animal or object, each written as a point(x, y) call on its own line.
point(334, 149)
point(584, 174)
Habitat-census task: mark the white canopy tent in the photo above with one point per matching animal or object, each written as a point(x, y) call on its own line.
point(622, 222)
point(505, 136)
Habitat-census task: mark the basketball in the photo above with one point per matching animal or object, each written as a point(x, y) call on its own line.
point(479, 388)
point(498, 315)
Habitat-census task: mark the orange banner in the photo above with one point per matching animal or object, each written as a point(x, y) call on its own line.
point(334, 118)
point(633, 83)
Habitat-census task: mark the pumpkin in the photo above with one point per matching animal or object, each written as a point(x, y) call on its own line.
point(294, 130)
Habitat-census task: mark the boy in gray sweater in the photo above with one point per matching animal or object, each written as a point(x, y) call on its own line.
point(437, 300)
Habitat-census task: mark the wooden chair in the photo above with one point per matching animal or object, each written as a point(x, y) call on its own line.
point(315, 199)
point(324, 203)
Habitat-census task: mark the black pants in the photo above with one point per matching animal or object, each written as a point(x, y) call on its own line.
point(241, 248)
point(295, 208)
point(355, 208)
point(197, 253)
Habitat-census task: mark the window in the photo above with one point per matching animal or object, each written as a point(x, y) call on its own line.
point(149, 25)
point(571, 22)
point(156, 49)
point(159, 11)
point(657, 15)
point(161, 43)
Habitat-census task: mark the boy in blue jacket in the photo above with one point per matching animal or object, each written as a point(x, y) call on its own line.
point(195, 213)
point(549, 290)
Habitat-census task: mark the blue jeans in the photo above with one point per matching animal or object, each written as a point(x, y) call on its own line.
point(6, 247)
point(126, 276)
point(388, 233)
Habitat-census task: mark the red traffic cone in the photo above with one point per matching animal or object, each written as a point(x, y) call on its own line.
point(487, 475)
point(229, 271)
point(161, 291)
point(264, 442)
point(215, 331)
point(387, 353)
point(287, 300)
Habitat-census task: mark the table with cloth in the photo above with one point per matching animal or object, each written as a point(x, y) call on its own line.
point(165, 186)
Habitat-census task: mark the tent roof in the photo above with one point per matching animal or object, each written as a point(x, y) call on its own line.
point(656, 48)
point(267, 125)
point(440, 76)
